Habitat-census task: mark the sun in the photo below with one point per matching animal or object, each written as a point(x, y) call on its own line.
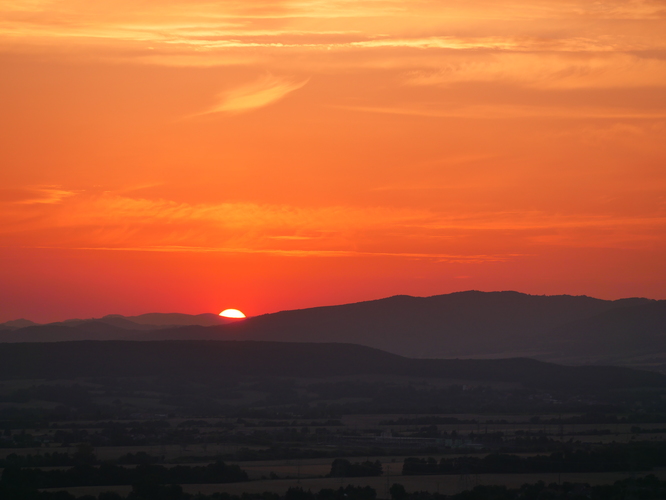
point(232, 313)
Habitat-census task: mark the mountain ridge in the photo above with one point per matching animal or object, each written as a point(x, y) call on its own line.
point(562, 328)
point(148, 321)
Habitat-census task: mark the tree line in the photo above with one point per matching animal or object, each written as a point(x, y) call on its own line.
point(607, 459)
point(648, 487)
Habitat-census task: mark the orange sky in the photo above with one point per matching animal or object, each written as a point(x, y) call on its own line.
point(266, 155)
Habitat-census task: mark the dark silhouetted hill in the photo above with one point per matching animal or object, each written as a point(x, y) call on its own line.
point(563, 328)
point(173, 319)
point(150, 321)
point(634, 331)
point(213, 360)
point(16, 324)
point(86, 330)
point(457, 324)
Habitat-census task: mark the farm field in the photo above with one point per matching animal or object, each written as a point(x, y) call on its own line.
point(89, 435)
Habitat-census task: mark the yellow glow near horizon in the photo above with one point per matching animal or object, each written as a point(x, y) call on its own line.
point(232, 313)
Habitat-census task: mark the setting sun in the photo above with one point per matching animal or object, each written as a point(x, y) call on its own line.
point(232, 313)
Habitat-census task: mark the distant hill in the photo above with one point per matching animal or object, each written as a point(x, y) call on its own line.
point(150, 321)
point(458, 324)
point(173, 319)
point(476, 324)
point(634, 335)
point(16, 324)
point(563, 328)
point(216, 360)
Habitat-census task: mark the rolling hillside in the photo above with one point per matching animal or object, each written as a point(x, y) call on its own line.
point(567, 329)
point(217, 360)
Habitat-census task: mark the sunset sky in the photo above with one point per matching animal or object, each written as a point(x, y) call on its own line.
point(192, 156)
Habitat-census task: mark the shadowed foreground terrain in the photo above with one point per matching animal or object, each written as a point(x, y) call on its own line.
point(213, 360)
point(164, 420)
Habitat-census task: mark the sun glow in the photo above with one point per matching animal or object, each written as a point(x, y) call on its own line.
point(232, 313)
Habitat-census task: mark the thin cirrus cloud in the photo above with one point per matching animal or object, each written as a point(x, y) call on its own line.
point(548, 71)
point(265, 91)
point(437, 257)
point(109, 209)
point(502, 111)
point(125, 223)
point(543, 44)
point(378, 24)
point(38, 195)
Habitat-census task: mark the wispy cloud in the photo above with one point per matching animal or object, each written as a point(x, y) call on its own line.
point(110, 208)
point(182, 30)
point(552, 70)
point(438, 257)
point(39, 195)
point(504, 111)
point(262, 92)
point(117, 222)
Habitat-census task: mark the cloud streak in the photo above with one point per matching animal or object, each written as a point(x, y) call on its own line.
point(548, 71)
point(115, 222)
point(39, 195)
point(441, 258)
point(502, 112)
point(315, 26)
point(263, 92)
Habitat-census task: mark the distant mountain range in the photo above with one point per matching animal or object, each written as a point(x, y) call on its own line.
point(563, 328)
point(150, 321)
